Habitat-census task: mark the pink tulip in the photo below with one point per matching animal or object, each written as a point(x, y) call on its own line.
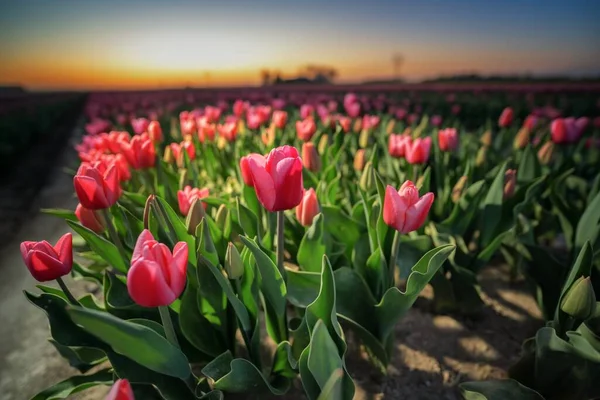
point(187, 147)
point(417, 152)
point(155, 132)
point(140, 152)
point(187, 196)
point(307, 111)
point(397, 145)
point(90, 219)
point(139, 125)
point(278, 182)
point(280, 119)
point(121, 390)
point(308, 208)
point(156, 277)
point(370, 122)
point(448, 139)
point(567, 130)
point(403, 210)
point(228, 131)
point(46, 262)
point(510, 182)
point(306, 129)
point(97, 186)
point(310, 157)
point(345, 123)
point(506, 118)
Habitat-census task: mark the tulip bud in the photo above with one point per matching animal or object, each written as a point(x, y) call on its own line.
point(168, 156)
point(308, 208)
point(221, 143)
point(233, 262)
point(580, 300)
point(175, 134)
point(407, 131)
point(480, 160)
point(222, 214)
point(510, 181)
point(91, 219)
point(310, 157)
point(546, 153)
point(147, 206)
point(359, 160)
point(522, 138)
point(357, 125)
point(486, 138)
point(389, 128)
point(363, 139)
point(367, 181)
point(183, 178)
point(458, 188)
point(323, 143)
point(195, 216)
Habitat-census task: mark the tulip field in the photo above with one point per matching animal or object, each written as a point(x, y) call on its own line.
point(262, 243)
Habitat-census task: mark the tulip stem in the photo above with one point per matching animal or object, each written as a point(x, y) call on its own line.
point(165, 317)
point(67, 292)
point(280, 241)
point(394, 259)
point(114, 235)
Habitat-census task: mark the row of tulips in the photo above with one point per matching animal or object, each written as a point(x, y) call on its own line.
point(197, 225)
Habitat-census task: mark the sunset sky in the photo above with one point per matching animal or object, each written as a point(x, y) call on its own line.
point(105, 44)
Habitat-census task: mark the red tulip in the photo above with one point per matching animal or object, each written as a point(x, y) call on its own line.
point(403, 210)
point(140, 152)
point(245, 167)
point(417, 152)
point(567, 130)
point(370, 122)
point(530, 122)
point(228, 131)
point(156, 277)
point(278, 182)
point(187, 146)
point(46, 262)
point(90, 219)
point(187, 196)
point(308, 208)
point(306, 129)
point(307, 111)
point(97, 186)
point(448, 139)
point(139, 125)
point(436, 120)
point(188, 126)
point(280, 119)
point(121, 390)
point(123, 167)
point(239, 107)
point(345, 123)
point(212, 114)
point(155, 132)
point(506, 118)
point(455, 109)
point(112, 141)
point(310, 157)
point(397, 145)
point(510, 181)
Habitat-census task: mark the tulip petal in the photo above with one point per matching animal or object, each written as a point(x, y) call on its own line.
point(179, 267)
point(90, 192)
point(416, 214)
point(43, 267)
point(144, 237)
point(393, 209)
point(263, 184)
point(147, 286)
point(112, 185)
point(64, 249)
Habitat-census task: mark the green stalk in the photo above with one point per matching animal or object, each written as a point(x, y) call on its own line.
point(280, 241)
point(67, 292)
point(394, 259)
point(114, 235)
point(167, 323)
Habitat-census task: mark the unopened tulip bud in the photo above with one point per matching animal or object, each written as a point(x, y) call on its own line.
point(147, 206)
point(389, 128)
point(195, 216)
point(457, 190)
point(357, 127)
point(486, 138)
point(510, 181)
point(241, 127)
point(367, 181)
point(522, 138)
point(310, 158)
point(91, 219)
point(323, 143)
point(168, 156)
point(234, 265)
point(221, 143)
point(481, 156)
point(221, 218)
point(359, 160)
point(407, 131)
point(580, 300)
point(363, 139)
point(546, 153)
point(308, 208)
point(183, 178)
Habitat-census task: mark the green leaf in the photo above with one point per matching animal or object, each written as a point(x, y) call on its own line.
point(103, 247)
point(251, 200)
point(274, 291)
point(247, 220)
point(196, 328)
point(581, 267)
point(492, 208)
point(68, 215)
point(342, 227)
point(497, 390)
point(312, 247)
point(529, 168)
point(588, 228)
point(241, 376)
point(395, 303)
point(323, 357)
point(137, 342)
point(75, 384)
point(82, 358)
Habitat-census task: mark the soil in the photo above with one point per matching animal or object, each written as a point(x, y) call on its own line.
point(433, 353)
